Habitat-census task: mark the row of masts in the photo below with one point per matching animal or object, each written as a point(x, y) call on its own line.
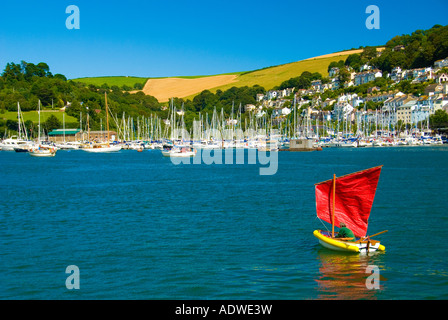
point(219, 127)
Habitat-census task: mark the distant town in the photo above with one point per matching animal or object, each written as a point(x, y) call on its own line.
point(392, 94)
point(403, 109)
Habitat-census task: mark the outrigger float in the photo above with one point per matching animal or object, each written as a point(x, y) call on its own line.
point(348, 199)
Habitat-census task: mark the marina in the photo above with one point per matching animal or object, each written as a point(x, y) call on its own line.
point(220, 132)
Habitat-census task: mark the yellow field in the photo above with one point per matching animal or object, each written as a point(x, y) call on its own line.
point(164, 89)
point(274, 76)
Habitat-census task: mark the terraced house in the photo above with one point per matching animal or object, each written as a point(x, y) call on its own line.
point(393, 103)
point(404, 112)
point(367, 76)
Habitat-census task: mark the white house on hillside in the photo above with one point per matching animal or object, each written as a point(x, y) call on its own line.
point(367, 76)
point(442, 78)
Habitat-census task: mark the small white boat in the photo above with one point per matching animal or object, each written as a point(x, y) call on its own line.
point(339, 143)
point(69, 145)
point(179, 152)
point(101, 148)
point(136, 145)
point(207, 145)
point(42, 151)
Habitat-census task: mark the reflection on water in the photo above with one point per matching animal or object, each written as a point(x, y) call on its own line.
point(343, 276)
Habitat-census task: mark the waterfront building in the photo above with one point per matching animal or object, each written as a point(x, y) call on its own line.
point(68, 135)
point(420, 113)
point(73, 135)
point(440, 102)
point(404, 112)
point(398, 100)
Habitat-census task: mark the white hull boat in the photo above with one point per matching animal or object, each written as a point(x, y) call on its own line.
point(179, 152)
point(42, 152)
point(102, 149)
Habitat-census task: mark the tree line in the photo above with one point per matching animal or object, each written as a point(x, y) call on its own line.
point(27, 84)
point(416, 50)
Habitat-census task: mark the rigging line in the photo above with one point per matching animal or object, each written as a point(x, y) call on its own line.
point(322, 223)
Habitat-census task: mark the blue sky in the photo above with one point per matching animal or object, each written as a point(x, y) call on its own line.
point(196, 37)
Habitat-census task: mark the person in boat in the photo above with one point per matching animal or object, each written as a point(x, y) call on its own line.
point(345, 232)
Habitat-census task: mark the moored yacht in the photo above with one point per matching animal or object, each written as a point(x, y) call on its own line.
point(13, 143)
point(179, 151)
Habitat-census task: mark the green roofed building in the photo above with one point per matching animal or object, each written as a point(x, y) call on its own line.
point(58, 135)
point(71, 135)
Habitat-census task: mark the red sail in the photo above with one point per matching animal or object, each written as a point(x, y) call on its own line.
point(354, 198)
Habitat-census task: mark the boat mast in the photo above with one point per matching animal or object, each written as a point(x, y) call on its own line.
point(18, 120)
point(63, 122)
point(334, 201)
point(88, 125)
point(107, 118)
point(38, 134)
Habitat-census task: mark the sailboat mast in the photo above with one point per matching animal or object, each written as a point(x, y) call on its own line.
point(63, 122)
point(18, 121)
point(334, 202)
point(38, 134)
point(107, 118)
point(88, 126)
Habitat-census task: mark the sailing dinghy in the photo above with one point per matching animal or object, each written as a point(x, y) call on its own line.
point(348, 199)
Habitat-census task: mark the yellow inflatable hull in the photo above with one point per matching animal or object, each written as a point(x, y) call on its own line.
point(347, 246)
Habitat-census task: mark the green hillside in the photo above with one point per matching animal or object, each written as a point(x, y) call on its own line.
point(34, 116)
point(271, 77)
point(266, 77)
point(118, 81)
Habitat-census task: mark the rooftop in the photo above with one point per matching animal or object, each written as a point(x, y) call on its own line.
point(58, 132)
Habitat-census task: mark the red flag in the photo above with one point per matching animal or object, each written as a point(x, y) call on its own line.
point(353, 201)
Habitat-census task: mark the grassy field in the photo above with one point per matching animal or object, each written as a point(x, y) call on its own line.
point(165, 89)
point(113, 81)
point(203, 76)
point(44, 115)
point(274, 76)
point(270, 77)
point(130, 81)
point(188, 87)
